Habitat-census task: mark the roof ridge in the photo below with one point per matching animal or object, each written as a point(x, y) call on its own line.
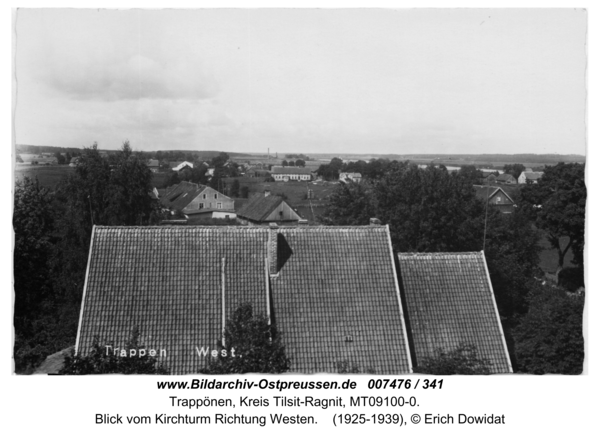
point(424, 254)
point(244, 227)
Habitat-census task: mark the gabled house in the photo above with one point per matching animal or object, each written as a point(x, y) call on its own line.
point(153, 165)
point(266, 209)
point(178, 285)
point(346, 177)
point(506, 179)
point(196, 201)
point(178, 166)
point(496, 197)
point(448, 301)
point(291, 173)
point(530, 177)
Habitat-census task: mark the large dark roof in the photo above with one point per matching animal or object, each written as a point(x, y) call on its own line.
point(180, 195)
point(259, 207)
point(334, 297)
point(449, 301)
point(506, 177)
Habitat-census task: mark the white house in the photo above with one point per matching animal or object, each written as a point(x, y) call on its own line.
point(532, 177)
point(345, 177)
point(178, 166)
point(288, 173)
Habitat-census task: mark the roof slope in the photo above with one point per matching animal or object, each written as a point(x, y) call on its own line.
point(334, 297)
point(179, 196)
point(506, 177)
point(339, 284)
point(166, 281)
point(488, 192)
point(449, 300)
point(259, 207)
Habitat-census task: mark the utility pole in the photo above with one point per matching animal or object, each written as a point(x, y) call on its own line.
point(487, 200)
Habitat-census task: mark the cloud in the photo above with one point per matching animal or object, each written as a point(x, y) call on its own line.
point(138, 77)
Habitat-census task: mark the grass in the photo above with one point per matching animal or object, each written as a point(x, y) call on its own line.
point(48, 176)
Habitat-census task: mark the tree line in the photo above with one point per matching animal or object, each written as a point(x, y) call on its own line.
point(52, 237)
point(433, 210)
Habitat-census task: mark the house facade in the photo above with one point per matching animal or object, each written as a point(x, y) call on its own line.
point(153, 165)
point(496, 197)
point(346, 177)
point(291, 173)
point(193, 200)
point(530, 177)
point(266, 209)
point(178, 166)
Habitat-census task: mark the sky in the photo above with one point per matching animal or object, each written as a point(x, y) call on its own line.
point(372, 81)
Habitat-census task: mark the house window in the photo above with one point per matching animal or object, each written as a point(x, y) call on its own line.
point(200, 205)
point(219, 205)
point(498, 199)
point(204, 196)
point(215, 196)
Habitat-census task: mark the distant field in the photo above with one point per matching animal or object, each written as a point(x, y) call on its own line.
point(48, 176)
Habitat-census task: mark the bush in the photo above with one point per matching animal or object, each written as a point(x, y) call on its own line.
point(461, 361)
point(252, 345)
point(102, 360)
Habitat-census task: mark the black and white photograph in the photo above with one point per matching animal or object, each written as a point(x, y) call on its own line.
point(343, 191)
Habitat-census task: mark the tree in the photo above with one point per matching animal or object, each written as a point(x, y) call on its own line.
point(284, 163)
point(557, 204)
point(347, 367)
point(33, 224)
point(549, 338)
point(514, 170)
point(235, 189)
point(512, 254)
point(471, 173)
point(220, 160)
point(103, 360)
point(349, 204)
point(300, 163)
point(128, 199)
point(429, 210)
point(252, 345)
point(60, 159)
point(244, 192)
point(461, 361)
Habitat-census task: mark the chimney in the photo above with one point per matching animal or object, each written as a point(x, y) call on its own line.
point(272, 248)
point(374, 222)
point(267, 192)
